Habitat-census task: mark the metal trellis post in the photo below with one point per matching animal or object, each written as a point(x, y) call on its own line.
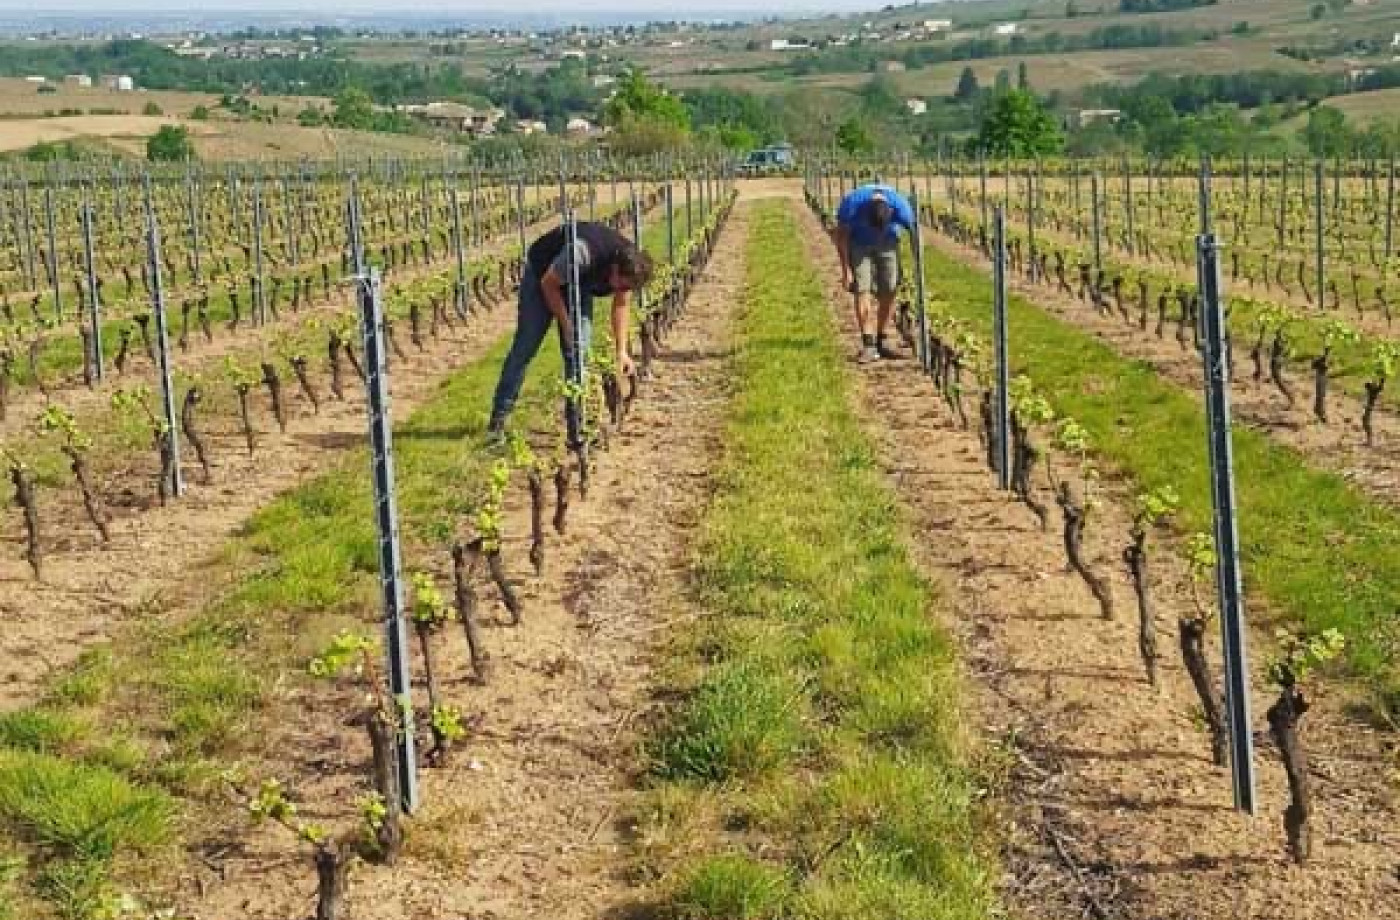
point(1320, 229)
point(1098, 221)
point(461, 299)
point(193, 198)
point(1390, 209)
point(670, 224)
point(371, 303)
point(1232, 622)
point(916, 242)
point(94, 317)
point(576, 365)
point(1222, 481)
point(260, 301)
point(53, 252)
point(1003, 371)
point(167, 384)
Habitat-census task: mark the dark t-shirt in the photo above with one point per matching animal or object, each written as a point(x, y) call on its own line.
point(596, 252)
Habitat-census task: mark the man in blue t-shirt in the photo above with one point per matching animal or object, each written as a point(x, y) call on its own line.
point(868, 224)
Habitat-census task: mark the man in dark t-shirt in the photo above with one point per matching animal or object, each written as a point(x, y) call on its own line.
point(609, 265)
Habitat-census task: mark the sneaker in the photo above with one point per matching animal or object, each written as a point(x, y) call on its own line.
point(869, 354)
point(888, 352)
point(495, 435)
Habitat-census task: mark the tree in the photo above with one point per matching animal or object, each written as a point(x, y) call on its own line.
point(880, 97)
point(1003, 84)
point(967, 89)
point(170, 144)
point(311, 117)
point(200, 113)
point(1326, 132)
point(643, 136)
point(151, 108)
point(854, 137)
point(1023, 76)
point(1017, 125)
point(353, 108)
point(639, 99)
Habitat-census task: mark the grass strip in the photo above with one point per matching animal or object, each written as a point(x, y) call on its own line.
point(1320, 552)
point(818, 767)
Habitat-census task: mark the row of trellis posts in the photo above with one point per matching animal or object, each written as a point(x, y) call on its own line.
point(708, 185)
point(827, 180)
point(702, 178)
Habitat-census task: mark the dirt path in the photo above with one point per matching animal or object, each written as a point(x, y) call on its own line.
point(1112, 806)
point(527, 820)
point(1337, 446)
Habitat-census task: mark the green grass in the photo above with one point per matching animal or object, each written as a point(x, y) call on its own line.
point(77, 783)
point(79, 811)
point(823, 718)
point(1316, 550)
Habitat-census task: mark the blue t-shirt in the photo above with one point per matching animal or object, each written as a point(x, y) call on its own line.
point(862, 234)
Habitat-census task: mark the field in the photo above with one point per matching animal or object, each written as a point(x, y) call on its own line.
point(1364, 108)
point(19, 98)
point(765, 640)
point(1272, 25)
point(213, 140)
point(1048, 73)
point(112, 122)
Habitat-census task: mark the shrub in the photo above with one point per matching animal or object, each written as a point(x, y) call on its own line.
point(170, 144)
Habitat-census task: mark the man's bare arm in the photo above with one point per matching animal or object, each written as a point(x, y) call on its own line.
point(842, 237)
point(553, 289)
point(621, 332)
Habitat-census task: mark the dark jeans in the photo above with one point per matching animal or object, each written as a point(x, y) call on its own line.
point(530, 330)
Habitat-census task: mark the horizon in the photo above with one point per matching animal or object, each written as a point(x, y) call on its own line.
point(432, 8)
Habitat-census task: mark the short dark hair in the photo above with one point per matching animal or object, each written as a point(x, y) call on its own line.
point(877, 213)
point(635, 265)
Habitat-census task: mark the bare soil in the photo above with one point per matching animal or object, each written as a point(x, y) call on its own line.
point(1111, 807)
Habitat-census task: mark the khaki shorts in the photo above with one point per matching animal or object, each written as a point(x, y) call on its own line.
point(876, 268)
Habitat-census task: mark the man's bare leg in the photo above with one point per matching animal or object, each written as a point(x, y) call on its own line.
point(886, 312)
point(864, 321)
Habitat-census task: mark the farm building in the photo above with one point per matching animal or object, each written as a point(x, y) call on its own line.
point(455, 117)
point(1089, 116)
point(579, 127)
point(80, 80)
point(916, 106)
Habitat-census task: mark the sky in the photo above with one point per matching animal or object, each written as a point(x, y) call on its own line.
point(464, 7)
